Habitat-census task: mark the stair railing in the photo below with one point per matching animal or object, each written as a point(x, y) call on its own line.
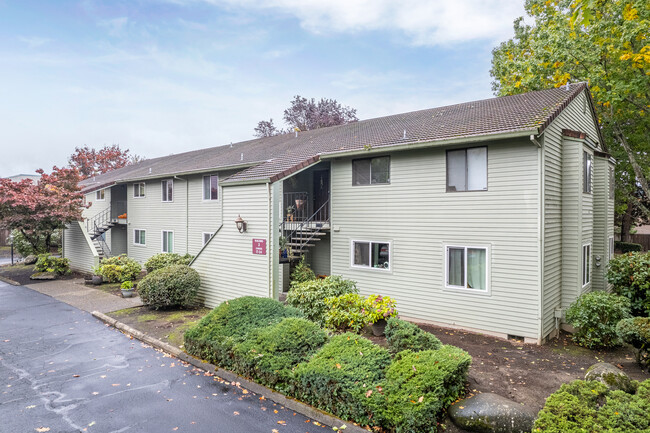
point(302, 232)
point(106, 251)
point(98, 220)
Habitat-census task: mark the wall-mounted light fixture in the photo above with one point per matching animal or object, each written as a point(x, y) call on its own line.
point(241, 224)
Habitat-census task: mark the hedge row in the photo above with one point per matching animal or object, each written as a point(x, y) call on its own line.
point(347, 375)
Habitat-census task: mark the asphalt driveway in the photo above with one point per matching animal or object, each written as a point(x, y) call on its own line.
point(61, 370)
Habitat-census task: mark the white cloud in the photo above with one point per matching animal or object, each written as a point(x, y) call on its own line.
point(34, 41)
point(424, 22)
point(115, 26)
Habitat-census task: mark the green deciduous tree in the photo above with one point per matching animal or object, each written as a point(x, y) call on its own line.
point(605, 43)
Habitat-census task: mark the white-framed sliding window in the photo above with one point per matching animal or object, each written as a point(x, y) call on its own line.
point(211, 187)
point(467, 169)
point(167, 241)
point(611, 248)
point(138, 190)
point(587, 164)
point(100, 195)
point(139, 237)
point(370, 254)
point(167, 190)
point(586, 264)
point(371, 171)
point(467, 268)
point(206, 237)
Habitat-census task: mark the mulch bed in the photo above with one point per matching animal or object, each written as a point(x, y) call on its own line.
point(528, 373)
point(20, 273)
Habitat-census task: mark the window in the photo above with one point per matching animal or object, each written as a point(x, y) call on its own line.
point(139, 237)
point(167, 241)
point(467, 169)
point(611, 248)
point(586, 184)
point(370, 254)
point(99, 195)
point(167, 190)
point(206, 237)
point(371, 171)
point(611, 183)
point(467, 268)
point(138, 190)
point(211, 187)
point(586, 264)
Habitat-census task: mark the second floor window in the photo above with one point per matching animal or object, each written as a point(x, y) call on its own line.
point(371, 171)
point(467, 169)
point(211, 187)
point(99, 195)
point(138, 190)
point(168, 190)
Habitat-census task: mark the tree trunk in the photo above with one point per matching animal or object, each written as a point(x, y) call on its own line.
point(638, 172)
point(32, 241)
point(627, 221)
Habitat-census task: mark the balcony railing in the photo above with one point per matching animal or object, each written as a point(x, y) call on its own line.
point(297, 206)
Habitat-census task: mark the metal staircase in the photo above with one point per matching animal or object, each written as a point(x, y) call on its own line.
point(96, 227)
point(302, 235)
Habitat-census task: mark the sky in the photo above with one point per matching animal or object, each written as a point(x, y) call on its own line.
point(163, 77)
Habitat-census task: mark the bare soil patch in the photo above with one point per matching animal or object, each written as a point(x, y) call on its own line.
point(21, 273)
point(165, 325)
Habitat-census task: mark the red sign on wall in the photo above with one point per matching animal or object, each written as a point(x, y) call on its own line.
point(259, 246)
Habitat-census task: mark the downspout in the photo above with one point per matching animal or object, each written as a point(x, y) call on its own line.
point(540, 232)
point(270, 230)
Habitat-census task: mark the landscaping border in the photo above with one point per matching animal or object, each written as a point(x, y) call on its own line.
point(9, 281)
point(290, 403)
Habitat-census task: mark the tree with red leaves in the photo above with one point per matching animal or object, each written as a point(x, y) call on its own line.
point(91, 162)
point(37, 209)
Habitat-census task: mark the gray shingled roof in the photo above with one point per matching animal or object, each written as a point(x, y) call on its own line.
point(271, 157)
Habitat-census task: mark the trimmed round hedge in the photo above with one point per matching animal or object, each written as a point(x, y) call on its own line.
point(163, 260)
point(173, 286)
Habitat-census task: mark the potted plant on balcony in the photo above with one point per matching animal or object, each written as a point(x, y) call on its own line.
point(378, 310)
point(127, 288)
point(290, 211)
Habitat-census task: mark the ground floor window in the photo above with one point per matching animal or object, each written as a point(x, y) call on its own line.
point(586, 264)
point(371, 254)
point(139, 237)
point(167, 241)
point(467, 268)
point(206, 237)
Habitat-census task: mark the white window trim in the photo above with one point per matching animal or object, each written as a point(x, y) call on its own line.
point(588, 156)
point(161, 191)
point(371, 268)
point(488, 255)
point(162, 242)
point(145, 190)
point(370, 172)
point(210, 200)
point(584, 269)
point(610, 246)
point(145, 238)
point(487, 171)
point(203, 237)
point(97, 192)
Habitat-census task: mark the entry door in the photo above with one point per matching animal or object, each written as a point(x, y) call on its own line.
point(321, 190)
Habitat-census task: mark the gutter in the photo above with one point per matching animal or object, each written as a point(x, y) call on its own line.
point(247, 182)
point(431, 143)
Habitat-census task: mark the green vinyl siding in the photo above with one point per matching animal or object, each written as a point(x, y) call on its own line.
point(603, 223)
point(416, 215)
point(227, 265)
point(563, 211)
point(78, 248)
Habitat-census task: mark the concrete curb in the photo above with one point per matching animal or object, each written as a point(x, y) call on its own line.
point(9, 281)
point(281, 399)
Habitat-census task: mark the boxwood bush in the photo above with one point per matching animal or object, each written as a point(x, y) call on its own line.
point(118, 269)
point(216, 334)
point(345, 377)
point(595, 316)
point(419, 385)
point(163, 260)
point(627, 247)
point(629, 275)
point(48, 263)
point(636, 331)
point(309, 296)
point(270, 354)
point(402, 335)
point(589, 406)
point(173, 286)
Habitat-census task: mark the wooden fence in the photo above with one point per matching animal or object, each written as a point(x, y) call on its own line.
point(644, 240)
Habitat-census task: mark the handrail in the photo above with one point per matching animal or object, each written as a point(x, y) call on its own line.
point(321, 216)
point(102, 243)
point(98, 220)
